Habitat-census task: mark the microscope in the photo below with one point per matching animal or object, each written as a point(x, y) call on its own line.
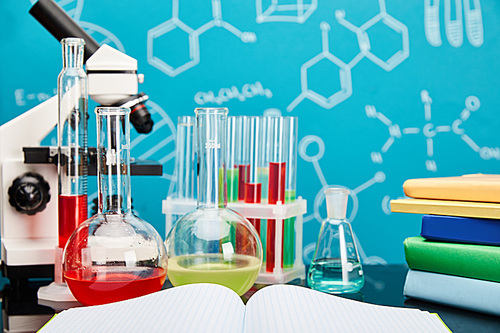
point(28, 172)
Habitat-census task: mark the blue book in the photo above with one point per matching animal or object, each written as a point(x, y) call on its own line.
point(456, 291)
point(461, 229)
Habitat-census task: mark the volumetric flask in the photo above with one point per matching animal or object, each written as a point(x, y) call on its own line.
point(213, 244)
point(336, 267)
point(114, 255)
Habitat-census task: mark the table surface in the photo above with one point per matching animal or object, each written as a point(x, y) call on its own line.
point(383, 285)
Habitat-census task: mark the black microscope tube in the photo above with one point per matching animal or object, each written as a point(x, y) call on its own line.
point(61, 25)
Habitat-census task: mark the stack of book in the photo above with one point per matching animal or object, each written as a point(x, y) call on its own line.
point(456, 260)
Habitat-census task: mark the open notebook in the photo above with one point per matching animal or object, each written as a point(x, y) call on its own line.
point(214, 308)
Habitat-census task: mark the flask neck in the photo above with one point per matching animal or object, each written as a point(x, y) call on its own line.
point(113, 160)
point(73, 49)
point(211, 137)
point(336, 202)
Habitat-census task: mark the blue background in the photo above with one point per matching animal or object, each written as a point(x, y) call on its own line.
point(270, 52)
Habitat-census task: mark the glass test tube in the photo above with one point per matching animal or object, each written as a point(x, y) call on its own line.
point(277, 178)
point(291, 124)
point(232, 150)
point(243, 128)
point(72, 140)
point(184, 160)
point(253, 186)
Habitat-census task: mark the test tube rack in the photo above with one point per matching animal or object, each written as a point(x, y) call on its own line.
point(172, 207)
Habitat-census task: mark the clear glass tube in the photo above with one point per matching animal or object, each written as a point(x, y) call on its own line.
point(266, 152)
point(114, 255)
point(232, 152)
point(243, 128)
point(211, 124)
point(253, 186)
point(184, 161)
point(213, 244)
point(72, 139)
point(336, 267)
point(291, 124)
point(277, 181)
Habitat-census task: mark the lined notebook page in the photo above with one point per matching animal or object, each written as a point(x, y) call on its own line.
point(191, 308)
point(287, 308)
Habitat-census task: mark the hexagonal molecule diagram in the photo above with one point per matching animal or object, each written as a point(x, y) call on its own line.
point(279, 11)
point(155, 56)
point(345, 69)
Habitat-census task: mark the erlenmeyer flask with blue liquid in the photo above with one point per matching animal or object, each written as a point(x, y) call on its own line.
point(336, 267)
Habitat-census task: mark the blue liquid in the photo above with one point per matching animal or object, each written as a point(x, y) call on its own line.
point(326, 275)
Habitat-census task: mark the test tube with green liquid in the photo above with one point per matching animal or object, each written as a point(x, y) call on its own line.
point(291, 123)
point(232, 151)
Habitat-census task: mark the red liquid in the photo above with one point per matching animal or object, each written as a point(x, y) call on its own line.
point(243, 177)
point(72, 212)
point(253, 194)
point(277, 172)
point(101, 287)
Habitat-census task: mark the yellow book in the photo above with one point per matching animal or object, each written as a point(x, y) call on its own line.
point(475, 187)
point(486, 210)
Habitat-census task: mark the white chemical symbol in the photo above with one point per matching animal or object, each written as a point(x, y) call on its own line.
point(344, 69)
point(297, 12)
point(319, 200)
point(154, 56)
point(430, 131)
point(453, 22)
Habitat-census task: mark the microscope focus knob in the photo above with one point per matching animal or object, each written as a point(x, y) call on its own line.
point(29, 193)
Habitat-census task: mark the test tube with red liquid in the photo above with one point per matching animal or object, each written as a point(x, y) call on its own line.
point(253, 186)
point(72, 144)
point(276, 190)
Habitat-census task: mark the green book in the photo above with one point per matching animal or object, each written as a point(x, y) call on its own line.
point(467, 260)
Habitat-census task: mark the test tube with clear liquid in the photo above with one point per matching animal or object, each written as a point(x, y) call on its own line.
point(185, 157)
point(72, 144)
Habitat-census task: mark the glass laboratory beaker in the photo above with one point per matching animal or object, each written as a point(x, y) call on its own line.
point(213, 244)
point(72, 144)
point(114, 255)
point(336, 267)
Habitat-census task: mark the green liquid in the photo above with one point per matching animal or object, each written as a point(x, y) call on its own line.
point(289, 234)
point(239, 273)
point(263, 177)
point(232, 185)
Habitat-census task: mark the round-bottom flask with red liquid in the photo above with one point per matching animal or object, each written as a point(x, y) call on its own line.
point(114, 255)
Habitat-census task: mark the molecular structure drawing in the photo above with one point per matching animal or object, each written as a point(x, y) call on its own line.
point(154, 56)
point(276, 12)
point(320, 197)
point(453, 22)
point(345, 69)
point(430, 131)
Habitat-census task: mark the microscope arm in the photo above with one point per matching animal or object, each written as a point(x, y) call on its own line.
point(27, 130)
